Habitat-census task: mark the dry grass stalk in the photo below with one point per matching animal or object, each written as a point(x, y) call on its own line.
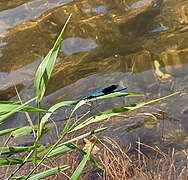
point(160, 167)
point(116, 163)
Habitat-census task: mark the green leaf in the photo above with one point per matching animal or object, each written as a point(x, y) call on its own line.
point(66, 127)
point(10, 102)
point(113, 112)
point(18, 149)
point(25, 130)
point(22, 131)
point(81, 166)
point(78, 105)
point(14, 150)
point(45, 68)
point(53, 109)
point(85, 135)
point(49, 172)
point(7, 110)
point(67, 146)
point(62, 150)
point(82, 152)
point(6, 131)
point(115, 94)
point(10, 161)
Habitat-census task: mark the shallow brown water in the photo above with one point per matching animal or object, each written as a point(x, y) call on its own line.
point(106, 42)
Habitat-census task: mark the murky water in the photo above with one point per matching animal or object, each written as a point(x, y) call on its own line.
point(106, 42)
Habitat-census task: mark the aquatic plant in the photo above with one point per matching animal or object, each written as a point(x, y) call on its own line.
point(36, 153)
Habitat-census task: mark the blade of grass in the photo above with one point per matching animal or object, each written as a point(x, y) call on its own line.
point(62, 150)
point(67, 145)
point(5, 108)
point(85, 135)
point(10, 161)
point(65, 129)
point(6, 131)
point(42, 77)
point(81, 166)
point(19, 149)
point(115, 94)
point(53, 109)
point(49, 172)
point(79, 104)
point(82, 152)
point(9, 109)
point(45, 68)
point(25, 130)
point(113, 112)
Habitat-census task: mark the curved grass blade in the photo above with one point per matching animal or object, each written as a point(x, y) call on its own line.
point(115, 94)
point(49, 172)
point(113, 112)
point(19, 149)
point(7, 110)
point(85, 135)
point(6, 131)
point(66, 127)
point(53, 109)
point(45, 68)
point(10, 161)
point(12, 150)
point(67, 146)
point(10, 107)
point(79, 104)
point(81, 166)
point(22, 131)
point(82, 152)
point(7, 107)
point(10, 102)
point(62, 150)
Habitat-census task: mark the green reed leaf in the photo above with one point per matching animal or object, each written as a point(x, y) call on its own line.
point(53, 109)
point(62, 150)
point(44, 70)
point(10, 161)
point(49, 172)
point(6, 131)
point(113, 112)
point(81, 166)
point(7, 110)
point(115, 94)
point(14, 150)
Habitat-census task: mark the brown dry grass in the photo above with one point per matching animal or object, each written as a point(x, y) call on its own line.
point(155, 165)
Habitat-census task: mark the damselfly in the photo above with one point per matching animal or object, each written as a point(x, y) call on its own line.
point(107, 90)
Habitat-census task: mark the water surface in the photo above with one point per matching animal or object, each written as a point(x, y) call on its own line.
point(106, 42)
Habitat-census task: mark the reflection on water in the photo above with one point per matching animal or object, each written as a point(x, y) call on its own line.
point(159, 29)
point(25, 12)
point(106, 42)
point(140, 4)
point(99, 9)
point(74, 45)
